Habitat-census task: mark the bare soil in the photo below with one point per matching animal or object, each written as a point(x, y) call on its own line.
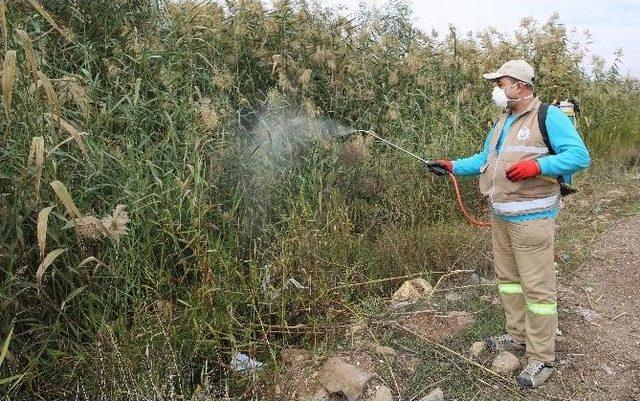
point(599, 350)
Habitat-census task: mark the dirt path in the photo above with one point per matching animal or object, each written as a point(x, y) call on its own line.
point(600, 321)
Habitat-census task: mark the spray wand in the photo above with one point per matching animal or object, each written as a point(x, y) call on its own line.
point(441, 170)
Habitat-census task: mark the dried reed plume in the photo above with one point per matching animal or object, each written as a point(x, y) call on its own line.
point(116, 224)
point(113, 226)
point(208, 115)
point(36, 156)
point(4, 25)
point(48, 260)
point(304, 78)
point(43, 221)
point(8, 79)
point(30, 55)
point(66, 199)
point(52, 98)
point(72, 89)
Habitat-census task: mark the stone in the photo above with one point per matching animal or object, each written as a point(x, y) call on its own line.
point(338, 376)
point(321, 394)
point(412, 290)
point(379, 393)
point(505, 363)
point(435, 395)
point(477, 348)
point(384, 350)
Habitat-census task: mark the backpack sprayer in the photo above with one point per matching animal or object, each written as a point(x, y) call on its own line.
point(436, 168)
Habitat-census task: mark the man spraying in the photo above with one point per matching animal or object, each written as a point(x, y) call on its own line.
point(515, 166)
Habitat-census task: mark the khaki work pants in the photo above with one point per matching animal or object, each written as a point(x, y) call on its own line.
point(523, 257)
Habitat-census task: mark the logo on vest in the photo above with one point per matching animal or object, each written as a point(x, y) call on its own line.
point(523, 133)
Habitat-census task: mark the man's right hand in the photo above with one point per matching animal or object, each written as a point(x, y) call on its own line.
point(440, 167)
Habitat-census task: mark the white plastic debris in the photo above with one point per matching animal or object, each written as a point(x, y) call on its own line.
point(587, 314)
point(243, 363)
point(296, 283)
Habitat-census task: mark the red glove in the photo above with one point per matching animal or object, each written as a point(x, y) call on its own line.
point(435, 167)
point(523, 170)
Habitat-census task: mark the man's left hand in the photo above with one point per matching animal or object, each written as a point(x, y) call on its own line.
point(523, 170)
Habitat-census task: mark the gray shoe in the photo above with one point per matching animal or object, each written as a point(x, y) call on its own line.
point(504, 343)
point(534, 374)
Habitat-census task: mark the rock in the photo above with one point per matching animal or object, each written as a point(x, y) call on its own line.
point(295, 357)
point(338, 376)
point(412, 290)
point(477, 348)
point(384, 350)
point(435, 395)
point(505, 363)
point(453, 297)
point(320, 395)
point(379, 393)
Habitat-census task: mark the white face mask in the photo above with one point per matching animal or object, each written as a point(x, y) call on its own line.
point(501, 99)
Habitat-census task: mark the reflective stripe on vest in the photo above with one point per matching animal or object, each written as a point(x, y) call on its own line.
point(525, 206)
point(526, 149)
point(510, 288)
point(542, 308)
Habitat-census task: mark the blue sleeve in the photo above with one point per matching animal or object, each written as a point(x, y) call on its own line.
point(471, 165)
point(571, 153)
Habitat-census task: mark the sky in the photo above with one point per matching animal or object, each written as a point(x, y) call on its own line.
point(613, 23)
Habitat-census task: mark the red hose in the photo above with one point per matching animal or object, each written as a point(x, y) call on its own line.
point(466, 214)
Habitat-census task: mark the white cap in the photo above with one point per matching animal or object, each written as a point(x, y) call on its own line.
point(518, 69)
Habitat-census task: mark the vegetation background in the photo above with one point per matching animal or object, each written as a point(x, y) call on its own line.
point(174, 191)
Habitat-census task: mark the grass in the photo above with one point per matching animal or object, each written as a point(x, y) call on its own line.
point(202, 121)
